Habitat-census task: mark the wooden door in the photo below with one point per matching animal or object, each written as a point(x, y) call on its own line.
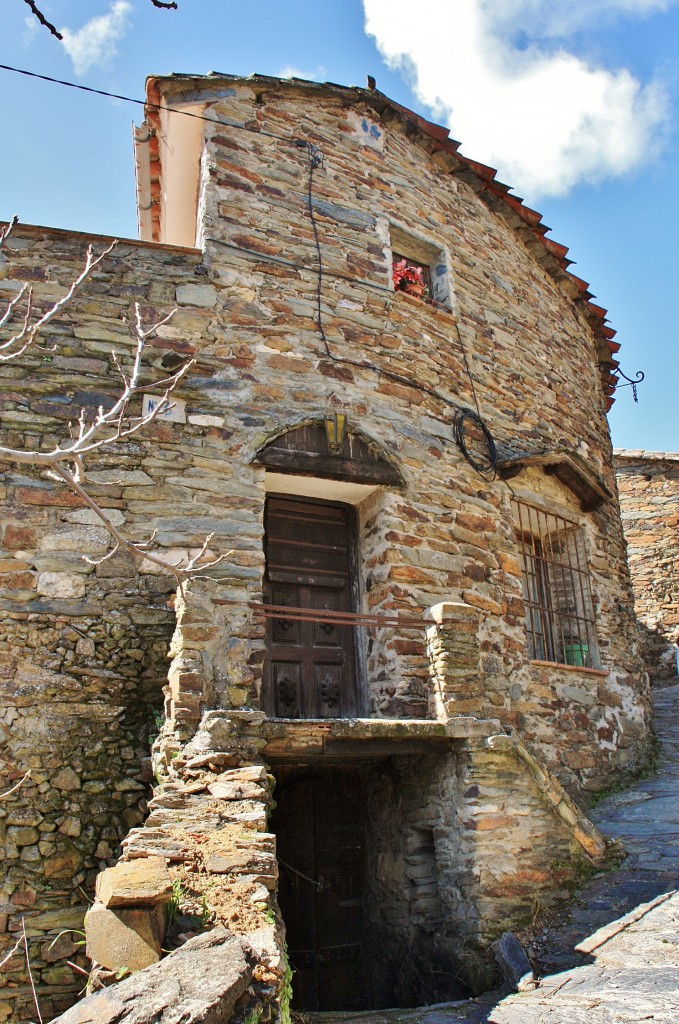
point(318, 822)
point(309, 669)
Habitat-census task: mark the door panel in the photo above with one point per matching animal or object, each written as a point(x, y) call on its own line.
point(309, 669)
point(319, 834)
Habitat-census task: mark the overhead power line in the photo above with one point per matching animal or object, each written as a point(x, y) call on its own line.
point(153, 106)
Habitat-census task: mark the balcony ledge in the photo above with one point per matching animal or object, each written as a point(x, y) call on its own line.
point(367, 737)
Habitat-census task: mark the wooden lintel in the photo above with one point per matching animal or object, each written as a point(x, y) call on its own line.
point(332, 467)
point(336, 748)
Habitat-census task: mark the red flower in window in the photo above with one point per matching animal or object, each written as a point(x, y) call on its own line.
point(404, 274)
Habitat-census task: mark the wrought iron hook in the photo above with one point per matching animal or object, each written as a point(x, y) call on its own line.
point(638, 377)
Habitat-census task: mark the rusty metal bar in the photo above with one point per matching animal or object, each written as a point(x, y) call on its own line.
point(282, 611)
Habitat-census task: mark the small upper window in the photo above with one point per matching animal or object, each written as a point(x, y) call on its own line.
point(556, 589)
point(419, 267)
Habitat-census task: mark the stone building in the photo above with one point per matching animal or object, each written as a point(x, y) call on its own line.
point(423, 635)
point(648, 487)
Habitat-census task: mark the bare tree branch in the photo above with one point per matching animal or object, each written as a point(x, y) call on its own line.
point(8, 792)
point(43, 20)
point(65, 462)
point(30, 972)
point(166, 5)
point(4, 232)
point(140, 549)
point(15, 949)
point(17, 344)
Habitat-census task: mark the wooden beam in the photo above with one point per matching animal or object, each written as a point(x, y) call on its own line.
point(331, 467)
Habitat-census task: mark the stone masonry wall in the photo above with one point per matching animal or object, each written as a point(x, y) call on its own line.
point(648, 487)
point(449, 535)
point(83, 649)
point(83, 646)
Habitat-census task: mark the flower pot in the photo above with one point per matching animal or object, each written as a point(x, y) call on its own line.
point(413, 288)
point(576, 652)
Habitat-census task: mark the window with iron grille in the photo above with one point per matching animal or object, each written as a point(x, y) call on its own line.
point(559, 610)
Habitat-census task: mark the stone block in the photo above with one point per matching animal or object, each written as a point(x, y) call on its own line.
point(83, 539)
point(66, 919)
point(258, 865)
point(514, 963)
point(124, 938)
point(142, 882)
point(200, 982)
point(196, 295)
point(61, 584)
point(70, 826)
point(66, 780)
point(236, 790)
point(22, 835)
point(451, 612)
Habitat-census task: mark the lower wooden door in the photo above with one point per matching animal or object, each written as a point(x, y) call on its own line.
point(319, 829)
point(309, 669)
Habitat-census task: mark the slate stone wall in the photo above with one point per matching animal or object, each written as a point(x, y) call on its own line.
point(448, 535)
point(648, 486)
point(83, 654)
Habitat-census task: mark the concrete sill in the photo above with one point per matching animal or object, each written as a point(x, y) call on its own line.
point(423, 304)
point(365, 737)
point(570, 668)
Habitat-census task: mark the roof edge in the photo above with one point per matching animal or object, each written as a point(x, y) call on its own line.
point(43, 230)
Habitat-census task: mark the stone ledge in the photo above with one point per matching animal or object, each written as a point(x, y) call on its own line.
point(370, 737)
point(637, 454)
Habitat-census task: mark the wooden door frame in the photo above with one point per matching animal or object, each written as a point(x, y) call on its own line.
point(355, 590)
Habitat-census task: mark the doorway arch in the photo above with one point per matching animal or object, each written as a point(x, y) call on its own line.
point(314, 668)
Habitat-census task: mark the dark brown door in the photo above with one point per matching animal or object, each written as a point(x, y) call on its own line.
point(309, 670)
point(319, 835)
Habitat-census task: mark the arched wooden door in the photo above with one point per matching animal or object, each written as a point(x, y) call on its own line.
point(310, 666)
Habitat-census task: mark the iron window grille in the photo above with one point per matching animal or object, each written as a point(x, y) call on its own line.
point(559, 610)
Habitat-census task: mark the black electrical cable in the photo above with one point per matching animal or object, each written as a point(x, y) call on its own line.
point(480, 452)
point(153, 106)
point(315, 161)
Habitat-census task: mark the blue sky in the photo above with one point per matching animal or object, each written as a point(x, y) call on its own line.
point(576, 102)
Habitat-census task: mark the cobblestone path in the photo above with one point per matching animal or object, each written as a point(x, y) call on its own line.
point(616, 952)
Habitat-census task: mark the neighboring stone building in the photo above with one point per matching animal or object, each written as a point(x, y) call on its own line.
point(648, 488)
point(420, 654)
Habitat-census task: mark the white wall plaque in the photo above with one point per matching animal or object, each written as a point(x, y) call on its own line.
point(174, 409)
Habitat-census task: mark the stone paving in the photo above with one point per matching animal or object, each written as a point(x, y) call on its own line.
point(616, 952)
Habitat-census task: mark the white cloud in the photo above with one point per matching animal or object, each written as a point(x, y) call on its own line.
point(31, 29)
point(290, 71)
point(96, 42)
point(562, 18)
point(546, 118)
